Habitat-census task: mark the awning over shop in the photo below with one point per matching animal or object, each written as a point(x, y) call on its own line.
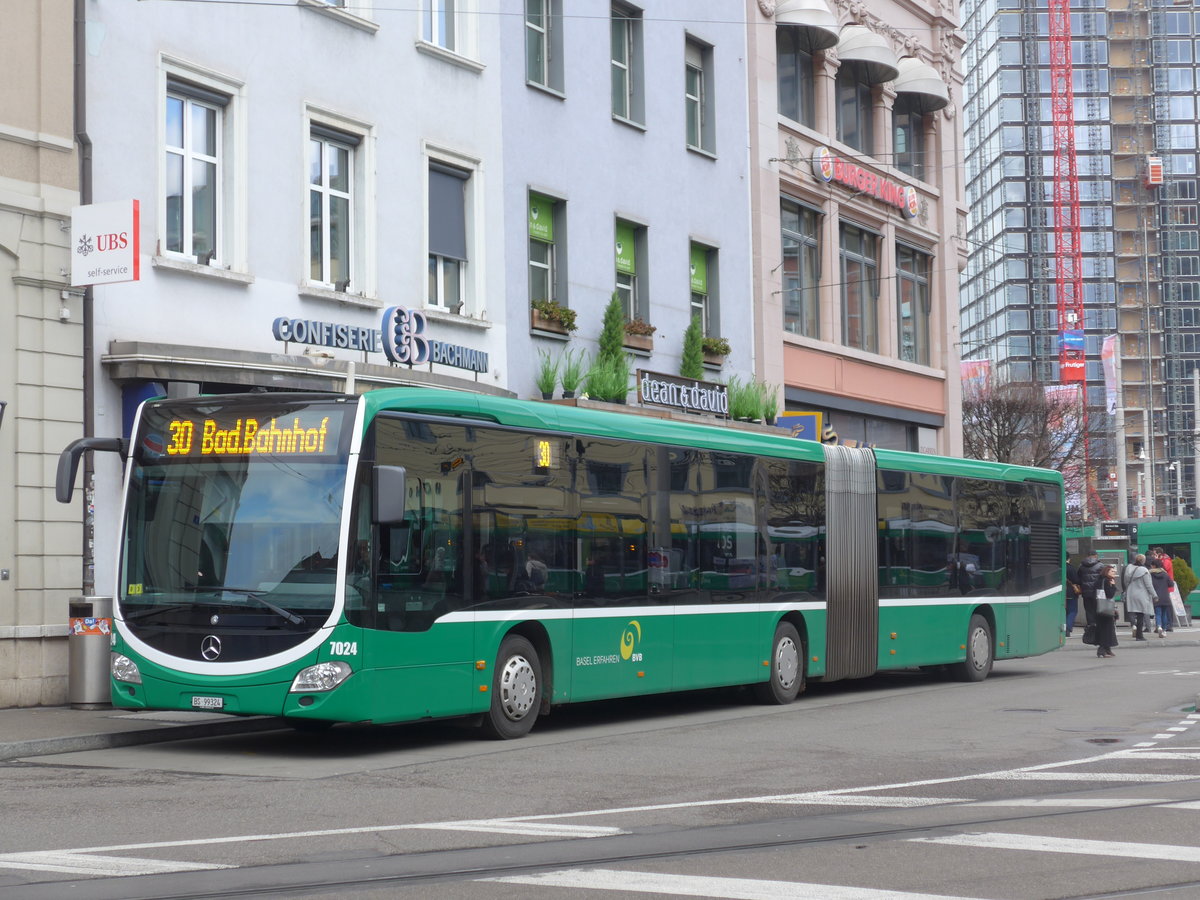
point(860, 45)
point(921, 82)
point(814, 20)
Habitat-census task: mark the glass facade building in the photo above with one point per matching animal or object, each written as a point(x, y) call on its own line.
point(1135, 132)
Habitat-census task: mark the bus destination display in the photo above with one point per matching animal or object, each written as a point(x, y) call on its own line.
point(306, 433)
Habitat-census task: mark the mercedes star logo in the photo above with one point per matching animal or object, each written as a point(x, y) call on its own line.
point(210, 647)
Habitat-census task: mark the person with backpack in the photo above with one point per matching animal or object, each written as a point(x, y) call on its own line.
point(1138, 588)
point(1162, 596)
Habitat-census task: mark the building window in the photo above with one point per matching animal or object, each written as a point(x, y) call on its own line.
point(909, 136)
point(854, 108)
point(627, 96)
point(193, 215)
point(702, 271)
point(630, 254)
point(801, 269)
point(794, 64)
point(546, 280)
point(447, 236)
point(439, 24)
point(331, 206)
point(913, 304)
point(697, 97)
point(860, 288)
point(543, 43)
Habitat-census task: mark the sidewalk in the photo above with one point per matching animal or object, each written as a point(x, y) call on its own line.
point(40, 731)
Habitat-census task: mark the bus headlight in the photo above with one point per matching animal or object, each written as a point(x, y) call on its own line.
point(124, 669)
point(321, 677)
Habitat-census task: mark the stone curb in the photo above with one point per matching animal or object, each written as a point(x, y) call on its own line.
point(75, 743)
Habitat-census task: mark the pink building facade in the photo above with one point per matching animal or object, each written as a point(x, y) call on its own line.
point(857, 181)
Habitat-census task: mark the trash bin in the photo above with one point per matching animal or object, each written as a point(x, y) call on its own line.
point(89, 643)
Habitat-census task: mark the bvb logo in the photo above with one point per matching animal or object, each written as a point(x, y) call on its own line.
point(630, 638)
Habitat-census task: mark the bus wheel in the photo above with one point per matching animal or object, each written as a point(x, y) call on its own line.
point(787, 667)
point(978, 663)
point(516, 690)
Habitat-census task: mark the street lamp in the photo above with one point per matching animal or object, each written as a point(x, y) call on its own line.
point(1175, 467)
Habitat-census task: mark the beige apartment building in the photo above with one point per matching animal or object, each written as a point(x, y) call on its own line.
point(40, 349)
point(857, 185)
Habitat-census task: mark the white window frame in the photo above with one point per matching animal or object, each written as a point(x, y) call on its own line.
point(631, 107)
point(327, 194)
point(360, 137)
point(439, 24)
point(471, 270)
point(548, 36)
point(229, 251)
point(698, 59)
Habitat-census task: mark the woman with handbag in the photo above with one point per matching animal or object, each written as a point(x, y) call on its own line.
point(1106, 613)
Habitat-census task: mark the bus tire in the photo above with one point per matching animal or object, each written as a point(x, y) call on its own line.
point(787, 668)
point(980, 652)
point(516, 690)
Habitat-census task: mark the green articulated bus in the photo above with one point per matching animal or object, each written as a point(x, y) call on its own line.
point(416, 553)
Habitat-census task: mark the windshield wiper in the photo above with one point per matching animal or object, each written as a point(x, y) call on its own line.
point(153, 611)
point(257, 597)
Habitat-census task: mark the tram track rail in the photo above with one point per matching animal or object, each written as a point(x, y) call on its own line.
point(348, 872)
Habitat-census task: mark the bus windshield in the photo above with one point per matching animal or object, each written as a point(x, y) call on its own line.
point(233, 514)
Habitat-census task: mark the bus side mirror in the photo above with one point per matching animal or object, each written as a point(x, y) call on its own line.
point(68, 462)
point(387, 494)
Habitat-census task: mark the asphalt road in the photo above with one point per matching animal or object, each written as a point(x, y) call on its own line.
point(1060, 776)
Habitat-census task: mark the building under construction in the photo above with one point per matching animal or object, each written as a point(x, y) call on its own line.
point(1127, 176)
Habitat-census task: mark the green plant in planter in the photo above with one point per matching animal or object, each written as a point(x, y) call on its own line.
point(638, 325)
point(612, 331)
point(547, 374)
point(551, 310)
point(570, 376)
point(716, 346)
point(692, 363)
point(770, 403)
point(608, 379)
point(745, 398)
point(1185, 578)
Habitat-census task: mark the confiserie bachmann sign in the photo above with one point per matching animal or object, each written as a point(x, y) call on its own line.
point(686, 394)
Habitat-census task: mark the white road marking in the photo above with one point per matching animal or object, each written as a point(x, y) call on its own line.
point(1043, 844)
point(503, 826)
point(1018, 775)
point(1065, 803)
point(76, 863)
point(701, 886)
point(1165, 754)
point(833, 798)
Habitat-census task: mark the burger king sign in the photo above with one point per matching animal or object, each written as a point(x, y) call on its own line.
point(829, 167)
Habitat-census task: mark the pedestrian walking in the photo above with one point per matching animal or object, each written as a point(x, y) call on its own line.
point(1162, 596)
point(1091, 578)
point(1138, 589)
point(1106, 613)
point(1072, 596)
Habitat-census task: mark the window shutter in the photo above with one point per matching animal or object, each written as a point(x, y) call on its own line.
point(447, 213)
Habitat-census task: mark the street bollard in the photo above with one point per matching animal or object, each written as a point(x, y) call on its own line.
point(89, 643)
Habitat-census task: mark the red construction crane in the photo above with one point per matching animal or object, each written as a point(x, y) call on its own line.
point(1068, 262)
point(1068, 268)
